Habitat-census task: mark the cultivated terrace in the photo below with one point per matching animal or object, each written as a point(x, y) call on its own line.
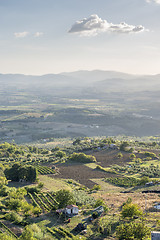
point(92, 188)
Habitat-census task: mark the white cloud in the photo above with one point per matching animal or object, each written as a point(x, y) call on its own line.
point(38, 34)
point(155, 1)
point(21, 34)
point(25, 34)
point(94, 25)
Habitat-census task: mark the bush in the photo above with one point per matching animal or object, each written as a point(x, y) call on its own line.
point(95, 215)
point(60, 154)
point(130, 210)
point(14, 204)
point(144, 180)
point(150, 154)
point(132, 156)
point(4, 236)
point(100, 202)
point(123, 146)
point(13, 217)
point(32, 189)
point(130, 231)
point(120, 155)
point(81, 157)
point(96, 187)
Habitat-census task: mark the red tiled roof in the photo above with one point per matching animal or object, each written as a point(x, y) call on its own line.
point(71, 206)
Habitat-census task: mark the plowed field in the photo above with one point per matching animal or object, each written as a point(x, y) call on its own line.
point(81, 174)
point(84, 174)
point(106, 158)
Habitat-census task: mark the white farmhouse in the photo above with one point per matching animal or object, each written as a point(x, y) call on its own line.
point(71, 210)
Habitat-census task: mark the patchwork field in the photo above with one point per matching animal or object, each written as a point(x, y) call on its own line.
point(81, 174)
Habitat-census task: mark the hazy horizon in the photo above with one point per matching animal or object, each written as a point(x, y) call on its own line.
point(79, 70)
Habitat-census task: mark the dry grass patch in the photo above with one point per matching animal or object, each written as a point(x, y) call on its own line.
point(53, 184)
point(107, 187)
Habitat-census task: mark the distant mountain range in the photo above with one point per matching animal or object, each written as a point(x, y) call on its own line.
point(101, 80)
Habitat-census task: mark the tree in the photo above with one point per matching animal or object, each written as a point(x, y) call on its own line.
point(133, 230)
point(130, 210)
point(55, 149)
point(123, 146)
point(132, 156)
point(4, 236)
point(81, 157)
point(27, 234)
point(96, 187)
point(13, 217)
point(77, 141)
point(17, 193)
point(13, 172)
point(37, 211)
point(120, 155)
point(14, 204)
point(31, 174)
point(144, 180)
point(60, 154)
point(64, 198)
point(3, 181)
point(27, 208)
point(17, 172)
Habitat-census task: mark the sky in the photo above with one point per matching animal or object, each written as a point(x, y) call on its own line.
point(52, 36)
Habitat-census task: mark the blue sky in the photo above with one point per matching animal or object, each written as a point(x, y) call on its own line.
point(52, 36)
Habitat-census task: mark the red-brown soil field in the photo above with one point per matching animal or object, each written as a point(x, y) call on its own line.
point(84, 174)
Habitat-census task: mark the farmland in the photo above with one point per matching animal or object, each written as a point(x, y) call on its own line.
point(90, 170)
point(41, 110)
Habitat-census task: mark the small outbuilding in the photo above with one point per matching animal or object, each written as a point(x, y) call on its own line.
point(113, 146)
point(155, 235)
point(97, 212)
point(71, 210)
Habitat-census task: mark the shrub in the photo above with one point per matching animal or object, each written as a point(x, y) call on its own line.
point(150, 154)
point(60, 154)
point(133, 230)
point(32, 189)
point(100, 202)
point(13, 217)
point(120, 155)
point(96, 187)
point(81, 157)
point(14, 204)
point(132, 156)
point(130, 210)
point(123, 146)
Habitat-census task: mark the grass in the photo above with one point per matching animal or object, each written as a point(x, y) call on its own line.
point(53, 184)
point(91, 165)
point(107, 187)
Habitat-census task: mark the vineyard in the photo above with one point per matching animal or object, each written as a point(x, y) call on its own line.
point(43, 170)
point(5, 229)
point(60, 233)
point(44, 201)
point(123, 181)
